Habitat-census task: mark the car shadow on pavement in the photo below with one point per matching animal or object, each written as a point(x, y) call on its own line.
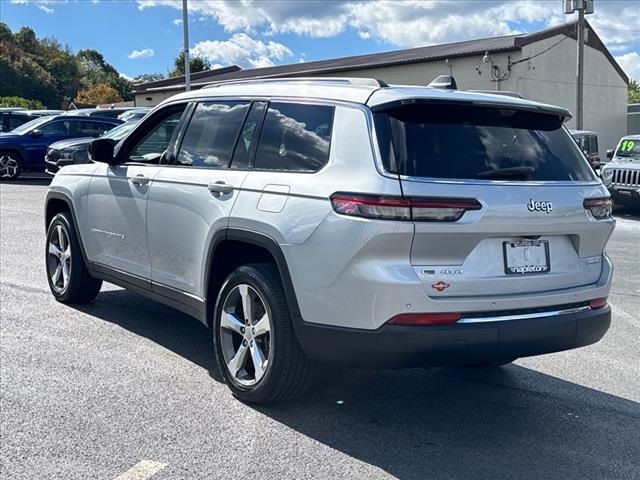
point(509, 422)
point(626, 212)
point(29, 180)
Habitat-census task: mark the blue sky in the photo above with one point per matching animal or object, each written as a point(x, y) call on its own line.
point(143, 36)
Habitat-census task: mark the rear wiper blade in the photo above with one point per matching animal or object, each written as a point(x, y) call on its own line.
point(513, 172)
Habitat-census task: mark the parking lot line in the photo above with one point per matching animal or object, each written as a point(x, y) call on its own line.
point(142, 470)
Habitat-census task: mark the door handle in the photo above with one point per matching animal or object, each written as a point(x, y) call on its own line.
point(140, 179)
point(220, 187)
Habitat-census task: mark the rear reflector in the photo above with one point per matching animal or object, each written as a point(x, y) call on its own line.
point(599, 207)
point(598, 303)
point(424, 319)
point(419, 209)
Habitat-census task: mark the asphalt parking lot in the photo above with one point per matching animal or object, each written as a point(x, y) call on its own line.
point(126, 388)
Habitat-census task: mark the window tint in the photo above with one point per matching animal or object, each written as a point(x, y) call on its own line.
point(82, 128)
point(211, 134)
point(56, 128)
point(153, 146)
point(295, 137)
point(466, 142)
point(247, 138)
point(17, 120)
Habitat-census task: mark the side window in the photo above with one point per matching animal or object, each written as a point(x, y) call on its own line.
point(156, 141)
point(211, 134)
point(247, 138)
point(594, 145)
point(60, 127)
point(295, 137)
point(83, 128)
point(16, 121)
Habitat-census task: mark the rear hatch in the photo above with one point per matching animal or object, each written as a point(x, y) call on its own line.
point(498, 197)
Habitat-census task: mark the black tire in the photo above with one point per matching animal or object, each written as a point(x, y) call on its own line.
point(288, 369)
point(80, 287)
point(10, 165)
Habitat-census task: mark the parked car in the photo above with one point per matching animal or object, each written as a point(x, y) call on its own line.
point(343, 220)
point(588, 143)
point(135, 114)
point(76, 150)
point(113, 112)
point(12, 118)
point(621, 175)
point(24, 148)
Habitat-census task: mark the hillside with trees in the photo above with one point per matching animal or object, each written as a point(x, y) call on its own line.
point(45, 71)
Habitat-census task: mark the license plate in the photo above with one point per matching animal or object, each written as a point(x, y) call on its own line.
point(525, 257)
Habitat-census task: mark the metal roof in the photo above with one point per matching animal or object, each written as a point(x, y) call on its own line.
point(377, 60)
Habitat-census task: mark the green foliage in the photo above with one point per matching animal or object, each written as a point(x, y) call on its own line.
point(634, 92)
point(21, 102)
point(196, 64)
point(46, 71)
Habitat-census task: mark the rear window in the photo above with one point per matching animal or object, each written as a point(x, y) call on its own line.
point(480, 143)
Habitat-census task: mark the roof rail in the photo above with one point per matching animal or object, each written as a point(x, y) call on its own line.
point(359, 81)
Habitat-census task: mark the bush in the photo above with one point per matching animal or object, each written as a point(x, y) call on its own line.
point(21, 102)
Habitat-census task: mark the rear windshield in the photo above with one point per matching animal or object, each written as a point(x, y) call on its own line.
point(483, 143)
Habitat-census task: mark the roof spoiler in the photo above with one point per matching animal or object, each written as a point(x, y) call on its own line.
point(446, 82)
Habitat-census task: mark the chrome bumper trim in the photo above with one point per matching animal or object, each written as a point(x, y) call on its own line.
point(524, 316)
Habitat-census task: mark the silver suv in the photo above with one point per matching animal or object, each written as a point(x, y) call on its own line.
point(343, 220)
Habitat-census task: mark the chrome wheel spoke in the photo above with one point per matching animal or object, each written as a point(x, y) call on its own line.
point(56, 274)
point(238, 361)
point(247, 303)
point(61, 237)
point(65, 274)
point(262, 327)
point(259, 362)
point(54, 250)
point(230, 322)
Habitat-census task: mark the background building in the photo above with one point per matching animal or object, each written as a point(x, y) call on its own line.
point(540, 66)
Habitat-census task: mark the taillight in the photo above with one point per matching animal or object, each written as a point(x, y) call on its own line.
point(599, 207)
point(420, 209)
point(424, 319)
point(598, 303)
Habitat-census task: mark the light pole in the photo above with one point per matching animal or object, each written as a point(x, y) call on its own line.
point(185, 29)
point(583, 7)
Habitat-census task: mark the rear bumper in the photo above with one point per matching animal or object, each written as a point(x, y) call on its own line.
point(395, 346)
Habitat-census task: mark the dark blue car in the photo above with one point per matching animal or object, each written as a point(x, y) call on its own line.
point(24, 148)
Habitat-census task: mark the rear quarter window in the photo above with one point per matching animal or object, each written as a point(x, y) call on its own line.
point(295, 137)
point(446, 141)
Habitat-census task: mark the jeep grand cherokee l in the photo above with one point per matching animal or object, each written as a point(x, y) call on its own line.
point(343, 220)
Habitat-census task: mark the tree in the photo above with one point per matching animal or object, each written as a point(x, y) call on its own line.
point(634, 92)
point(100, 93)
point(148, 77)
point(21, 102)
point(196, 64)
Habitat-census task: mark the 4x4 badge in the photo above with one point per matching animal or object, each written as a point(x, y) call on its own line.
point(440, 286)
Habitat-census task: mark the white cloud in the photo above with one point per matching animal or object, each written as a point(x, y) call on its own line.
point(630, 63)
point(144, 53)
point(45, 9)
point(126, 77)
point(242, 50)
point(177, 21)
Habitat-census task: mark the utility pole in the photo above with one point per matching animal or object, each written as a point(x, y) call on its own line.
point(185, 29)
point(582, 7)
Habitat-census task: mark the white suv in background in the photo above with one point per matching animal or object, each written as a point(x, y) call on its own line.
point(343, 220)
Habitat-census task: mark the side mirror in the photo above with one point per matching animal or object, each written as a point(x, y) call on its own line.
point(36, 133)
point(101, 150)
point(609, 154)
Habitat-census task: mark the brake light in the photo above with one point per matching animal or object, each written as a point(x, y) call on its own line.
point(420, 209)
point(599, 207)
point(598, 303)
point(424, 319)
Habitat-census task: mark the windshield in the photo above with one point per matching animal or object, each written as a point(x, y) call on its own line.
point(27, 127)
point(452, 141)
point(629, 148)
point(120, 131)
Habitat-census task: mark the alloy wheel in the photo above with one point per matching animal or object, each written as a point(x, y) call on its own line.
point(59, 259)
point(9, 166)
point(245, 335)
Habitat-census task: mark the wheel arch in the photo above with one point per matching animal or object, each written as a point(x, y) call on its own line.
point(230, 248)
point(58, 202)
